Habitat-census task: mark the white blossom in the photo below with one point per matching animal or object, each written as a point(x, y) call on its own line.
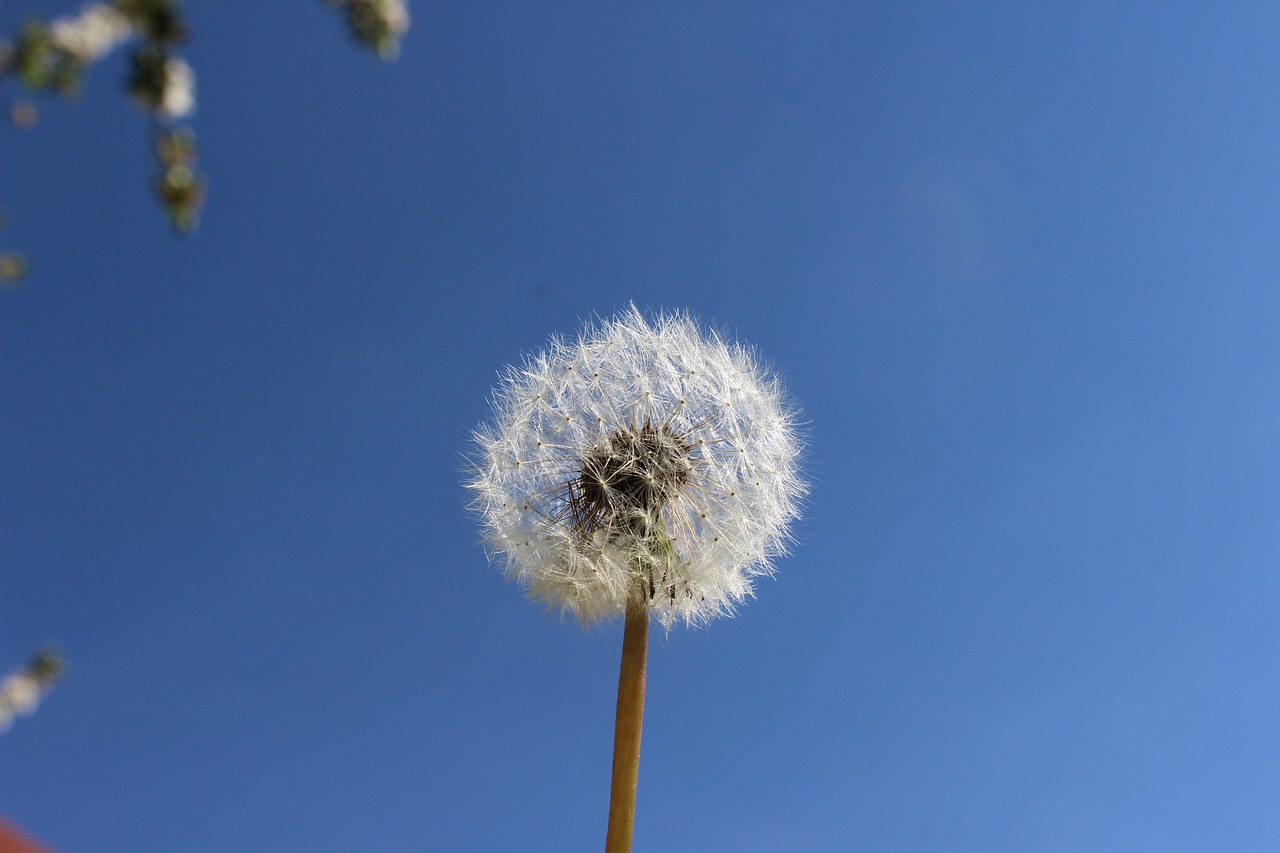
point(178, 99)
point(644, 462)
point(395, 16)
point(92, 34)
point(21, 689)
point(379, 24)
point(19, 695)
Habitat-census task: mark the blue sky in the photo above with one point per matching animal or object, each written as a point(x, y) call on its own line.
point(1018, 264)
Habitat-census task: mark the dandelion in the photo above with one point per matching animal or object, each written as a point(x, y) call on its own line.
point(645, 469)
point(644, 463)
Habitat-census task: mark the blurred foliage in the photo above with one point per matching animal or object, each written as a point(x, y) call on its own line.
point(41, 64)
point(47, 666)
point(179, 187)
point(53, 57)
point(13, 266)
point(156, 21)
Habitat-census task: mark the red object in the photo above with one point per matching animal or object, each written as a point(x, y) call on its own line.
point(13, 841)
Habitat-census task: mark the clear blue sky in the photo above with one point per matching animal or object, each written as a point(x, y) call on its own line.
point(1019, 263)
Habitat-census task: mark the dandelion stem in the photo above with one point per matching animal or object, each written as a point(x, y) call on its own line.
point(626, 731)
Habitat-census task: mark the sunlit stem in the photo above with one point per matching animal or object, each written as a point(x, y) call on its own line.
point(626, 732)
point(630, 714)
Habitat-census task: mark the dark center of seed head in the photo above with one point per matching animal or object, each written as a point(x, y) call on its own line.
point(627, 479)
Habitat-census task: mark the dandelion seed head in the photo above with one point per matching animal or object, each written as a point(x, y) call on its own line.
point(644, 461)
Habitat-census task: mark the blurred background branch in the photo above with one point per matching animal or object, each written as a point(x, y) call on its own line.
point(22, 689)
point(52, 58)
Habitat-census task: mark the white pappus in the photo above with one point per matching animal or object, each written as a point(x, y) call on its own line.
point(648, 462)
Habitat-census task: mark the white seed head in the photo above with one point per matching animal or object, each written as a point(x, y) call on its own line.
point(646, 461)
